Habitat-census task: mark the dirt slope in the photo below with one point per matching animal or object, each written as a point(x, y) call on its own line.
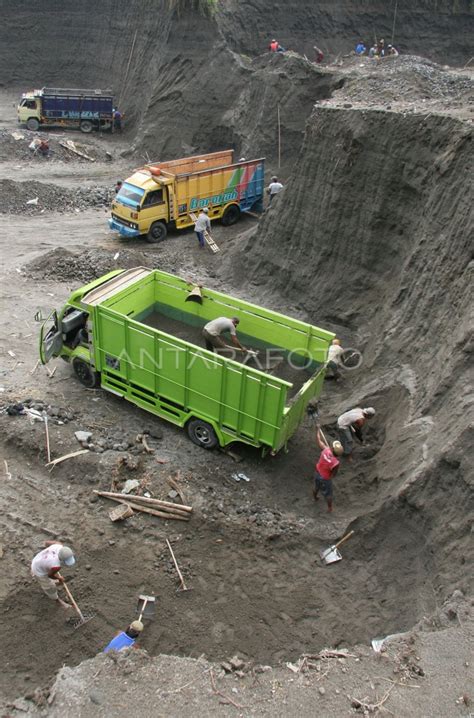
point(372, 236)
point(179, 98)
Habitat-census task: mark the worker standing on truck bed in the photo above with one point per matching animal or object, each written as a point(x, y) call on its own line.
point(46, 565)
point(213, 330)
point(202, 224)
point(326, 468)
point(351, 422)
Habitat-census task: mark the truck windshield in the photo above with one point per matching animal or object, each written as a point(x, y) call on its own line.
point(130, 195)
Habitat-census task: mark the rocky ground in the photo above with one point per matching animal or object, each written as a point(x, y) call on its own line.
point(250, 551)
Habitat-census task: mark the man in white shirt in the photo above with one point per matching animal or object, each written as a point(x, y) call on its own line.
point(351, 422)
point(274, 187)
point(213, 330)
point(335, 353)
point(46, 565)
point(202, 224)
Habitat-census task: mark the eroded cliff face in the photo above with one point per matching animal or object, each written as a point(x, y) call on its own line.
point(373, 232)
point(372, 236)
point(189, 82)
point(438, 29)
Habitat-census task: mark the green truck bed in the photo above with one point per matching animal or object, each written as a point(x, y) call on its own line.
point(143, 343)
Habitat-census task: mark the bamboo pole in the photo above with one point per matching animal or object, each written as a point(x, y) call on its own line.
point(144, 509)
point(279, 136)
point(128, 68)
point(158, 502)
point(394, 21)
point(48, 450)
point(155, 507)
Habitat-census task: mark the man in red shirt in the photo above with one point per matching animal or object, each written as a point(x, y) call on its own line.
point(326, 468)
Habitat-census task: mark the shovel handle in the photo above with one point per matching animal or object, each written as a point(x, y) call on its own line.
point(344, 538)
point(71, 598)
point(145, 602)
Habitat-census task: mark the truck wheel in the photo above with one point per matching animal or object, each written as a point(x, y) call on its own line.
point(157, 232)
point(32, 124)
point(202, 434)
point(86, 126)
point(85, 373)
point(231, 215)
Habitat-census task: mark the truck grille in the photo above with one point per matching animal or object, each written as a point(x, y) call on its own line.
point(125, 222)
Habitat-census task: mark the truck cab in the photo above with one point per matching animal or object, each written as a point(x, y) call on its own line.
point(140, 204)
point(29, 111)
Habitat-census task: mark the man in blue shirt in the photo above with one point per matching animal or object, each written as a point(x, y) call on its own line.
point(360, 48)
point(125, 639)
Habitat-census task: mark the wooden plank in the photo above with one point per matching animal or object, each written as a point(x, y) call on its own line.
point(210, 242)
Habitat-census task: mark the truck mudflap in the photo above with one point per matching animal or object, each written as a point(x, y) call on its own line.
point(122, 229)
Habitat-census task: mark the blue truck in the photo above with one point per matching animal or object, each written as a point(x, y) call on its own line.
point(87, 110)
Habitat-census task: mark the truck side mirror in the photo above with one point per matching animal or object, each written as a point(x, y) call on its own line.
point(138, 207)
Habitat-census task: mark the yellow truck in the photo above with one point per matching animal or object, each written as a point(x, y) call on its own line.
point(165, 195)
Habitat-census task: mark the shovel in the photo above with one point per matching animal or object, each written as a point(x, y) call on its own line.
point(331, 554)
point(83, 617)
point(146, 606)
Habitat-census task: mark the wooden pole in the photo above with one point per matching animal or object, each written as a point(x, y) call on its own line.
point(144, 499)
point(279, 136)
point(183, 585)
point(145, 509)
point(48, 450)
point(128, 68)
point(394, 21)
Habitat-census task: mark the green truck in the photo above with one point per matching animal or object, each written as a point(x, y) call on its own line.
point(136, 334)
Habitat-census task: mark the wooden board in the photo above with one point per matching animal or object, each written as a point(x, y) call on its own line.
point(212, 245)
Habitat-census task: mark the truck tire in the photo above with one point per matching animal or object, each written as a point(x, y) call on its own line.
point(84, 372)
point(157, 232)
point(202, 434)
point(231, 215)
point(86, 126)
point(32, 124)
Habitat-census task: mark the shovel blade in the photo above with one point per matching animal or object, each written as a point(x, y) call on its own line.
point(146, 605)
point(331, 555)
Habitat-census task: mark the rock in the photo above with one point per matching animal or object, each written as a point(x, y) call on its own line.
point(236, 663)
point(96, 697)
point(130, 485)
point(154, 432)
point(172, 494)
point(93, 499)
point(88, 567)
point(226, 666)
point(83, 437)
point(262, 669)
point(322, 691)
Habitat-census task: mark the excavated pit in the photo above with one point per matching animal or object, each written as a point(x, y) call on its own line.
point(370, 238)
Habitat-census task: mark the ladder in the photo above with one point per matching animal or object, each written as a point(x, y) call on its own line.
point(210, 242)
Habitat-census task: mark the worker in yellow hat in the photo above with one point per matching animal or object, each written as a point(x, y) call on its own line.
point(125, 639)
